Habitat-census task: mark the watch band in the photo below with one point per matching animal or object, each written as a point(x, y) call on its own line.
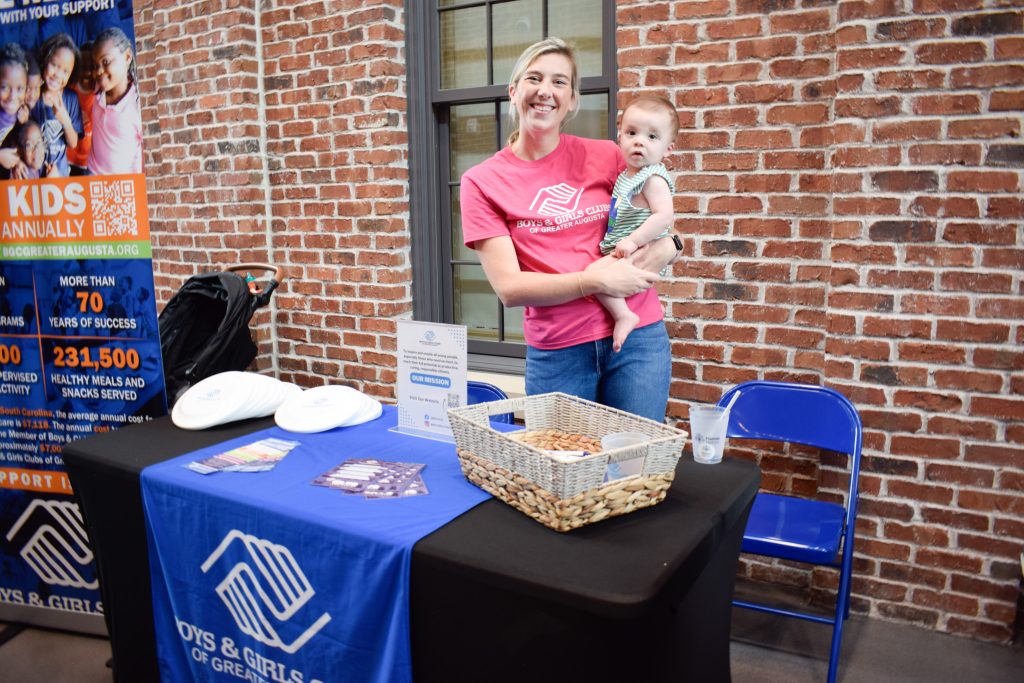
point(678, 242)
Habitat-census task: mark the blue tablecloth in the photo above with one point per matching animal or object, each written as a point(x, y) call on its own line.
point(266, 577)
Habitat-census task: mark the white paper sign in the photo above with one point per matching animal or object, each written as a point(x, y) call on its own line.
point(431, 377)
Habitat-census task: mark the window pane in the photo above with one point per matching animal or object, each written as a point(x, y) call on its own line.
point(463, 48)
point(476, 306)
point(579, 22)
point(515, 26)
point(592, 119)
point(471, 136)
point(514, 325)
point(460, 252)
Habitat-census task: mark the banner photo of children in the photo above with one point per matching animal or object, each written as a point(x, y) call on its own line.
point(79, 344)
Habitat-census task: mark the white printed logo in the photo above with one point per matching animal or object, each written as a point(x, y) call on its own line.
point(277, 585)
point(556, 200)
point(58, 547)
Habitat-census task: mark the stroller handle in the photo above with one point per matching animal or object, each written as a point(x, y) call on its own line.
point(279, 273)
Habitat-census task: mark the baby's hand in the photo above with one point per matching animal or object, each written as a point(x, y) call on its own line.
point(625, 247)
point(20, 171)
point(50, 170)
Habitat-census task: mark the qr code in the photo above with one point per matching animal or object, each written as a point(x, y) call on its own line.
point(113, 208)
point(454, 400)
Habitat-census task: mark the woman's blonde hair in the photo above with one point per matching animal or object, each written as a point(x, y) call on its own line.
point(550, 45)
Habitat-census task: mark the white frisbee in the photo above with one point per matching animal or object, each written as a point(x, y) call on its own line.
point(319, 409)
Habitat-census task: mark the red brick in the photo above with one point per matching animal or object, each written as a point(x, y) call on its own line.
point(903, 79)
point(900, 131)
point(733, 73)
point(989, 76)
point(869, 58)
point(935, 105)
point(763, 93)
point(1008, 408)
point(982, 181)
point(765, 48)
point(733, 28)
point(945, 154)
point(949, 52)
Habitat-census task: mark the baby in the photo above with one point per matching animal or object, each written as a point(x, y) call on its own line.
point(641, 208)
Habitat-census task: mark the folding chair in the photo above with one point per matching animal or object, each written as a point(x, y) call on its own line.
point(808, 531)
point(481, 392)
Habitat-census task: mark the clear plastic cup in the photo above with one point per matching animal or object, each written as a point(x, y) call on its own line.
point(707, 429)
point(626, 468)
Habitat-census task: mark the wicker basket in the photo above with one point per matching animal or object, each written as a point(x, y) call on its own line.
point(559, 492)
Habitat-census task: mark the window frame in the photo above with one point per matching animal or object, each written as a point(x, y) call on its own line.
point(429, 219)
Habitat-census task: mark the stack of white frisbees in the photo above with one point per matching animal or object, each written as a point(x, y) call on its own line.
point(228, 397)
point(231, 396)
point(326, 407)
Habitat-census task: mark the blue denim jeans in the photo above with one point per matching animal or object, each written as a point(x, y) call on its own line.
point(635, 379)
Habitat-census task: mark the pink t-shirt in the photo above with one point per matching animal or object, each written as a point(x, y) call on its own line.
point(556, 212)
point(116, 135)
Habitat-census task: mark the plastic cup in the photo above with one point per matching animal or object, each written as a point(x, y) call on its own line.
point(707, 429)
point(626, 468)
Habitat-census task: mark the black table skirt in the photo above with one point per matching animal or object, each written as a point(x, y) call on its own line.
point(494, 595)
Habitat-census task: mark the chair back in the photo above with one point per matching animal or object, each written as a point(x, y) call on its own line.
point(482, 392)
point(797, 413)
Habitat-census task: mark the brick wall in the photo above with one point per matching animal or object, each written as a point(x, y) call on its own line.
point(276, 132)
point(849, 176)
point(848, 181)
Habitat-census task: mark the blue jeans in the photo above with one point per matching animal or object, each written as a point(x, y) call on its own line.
point(635, 379)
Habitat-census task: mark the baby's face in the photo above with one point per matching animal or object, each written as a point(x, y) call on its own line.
point(35, 82)
point(12, 88)
point(33, 150)
point(644, 136)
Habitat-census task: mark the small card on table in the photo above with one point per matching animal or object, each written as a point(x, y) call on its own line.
point(258, 456)
point(375, 479)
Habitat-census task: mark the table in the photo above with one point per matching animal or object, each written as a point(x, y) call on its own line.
point(495, 596)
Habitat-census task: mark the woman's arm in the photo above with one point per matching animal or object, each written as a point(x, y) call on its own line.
point(516, 287)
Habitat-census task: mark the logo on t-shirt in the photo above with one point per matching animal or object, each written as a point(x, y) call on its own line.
point(556, 200)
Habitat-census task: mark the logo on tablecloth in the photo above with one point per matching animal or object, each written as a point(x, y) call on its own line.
point(56, 546)
point(556, 200)
point(263, 589)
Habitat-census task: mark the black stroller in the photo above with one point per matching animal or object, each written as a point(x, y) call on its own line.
point(204, 328)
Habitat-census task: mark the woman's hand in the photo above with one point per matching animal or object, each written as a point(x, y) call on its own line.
point(20, 171)
point(622, 278)
point(655, 255)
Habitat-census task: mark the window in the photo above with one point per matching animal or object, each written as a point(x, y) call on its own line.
point(460, 56)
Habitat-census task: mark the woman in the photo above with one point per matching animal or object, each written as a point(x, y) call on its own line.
point(535, 213)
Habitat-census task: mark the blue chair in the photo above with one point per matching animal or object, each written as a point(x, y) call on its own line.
point(481, 392)
point(808, 531)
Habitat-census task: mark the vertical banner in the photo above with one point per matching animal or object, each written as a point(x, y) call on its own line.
point(79, 344)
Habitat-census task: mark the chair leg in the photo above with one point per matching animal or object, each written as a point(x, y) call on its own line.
point(842, 612)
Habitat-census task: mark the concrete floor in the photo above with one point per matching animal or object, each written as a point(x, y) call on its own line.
point(765, 649)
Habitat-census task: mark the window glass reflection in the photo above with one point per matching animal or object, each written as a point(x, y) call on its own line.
point(463, 48)
point(515, 26)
